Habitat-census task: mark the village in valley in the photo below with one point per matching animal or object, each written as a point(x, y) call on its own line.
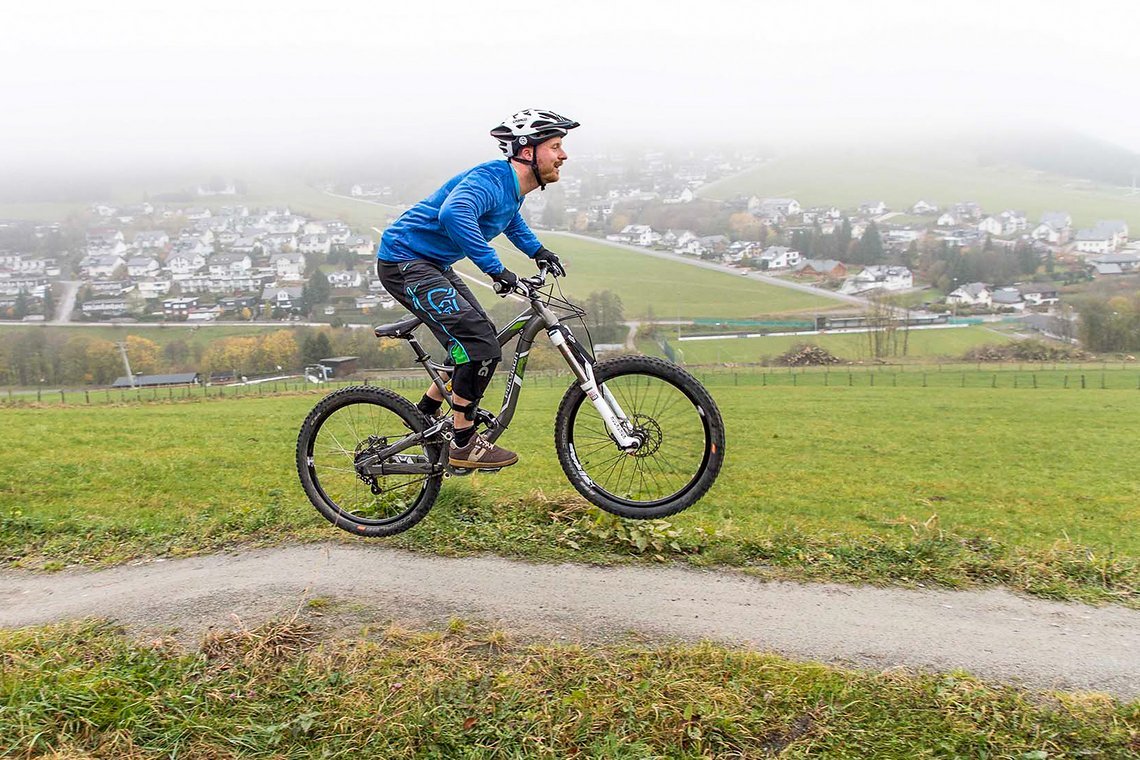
point(222, 260)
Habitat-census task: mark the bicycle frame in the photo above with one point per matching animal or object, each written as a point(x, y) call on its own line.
point(526, 327)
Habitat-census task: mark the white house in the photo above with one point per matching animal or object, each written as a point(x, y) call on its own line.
point(337, 231)
point(1038, 294)
point(636, 234)
point(288, 266)
point(153, 287)
point(345, 279)
point(361, 245)
point(227, 265)
point(873, 208)
point(1047, 233)
point(185, 263)
point(971, 294)
point(1095, 240)
point(998, 226)
point(779, 257)
point(948, 219)
point(101, 266)
point(282, 297)
point(1055, 227)
point(142, 266)
point(315, 243)
point(878, 277)
point(923, 207)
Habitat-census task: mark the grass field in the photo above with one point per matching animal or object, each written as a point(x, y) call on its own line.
point(947, 485)
point(921, 344)
point(851, 178)
point(279, 690)
point(673, 289)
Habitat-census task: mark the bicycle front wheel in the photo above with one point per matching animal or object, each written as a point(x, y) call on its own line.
point(680, 427)
point(344, 428)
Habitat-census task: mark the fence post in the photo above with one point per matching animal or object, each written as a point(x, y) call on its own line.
point(87, 396)
point(923, 379)
point(1082, 381)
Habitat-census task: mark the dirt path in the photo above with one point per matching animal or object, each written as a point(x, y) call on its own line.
point(993, 634)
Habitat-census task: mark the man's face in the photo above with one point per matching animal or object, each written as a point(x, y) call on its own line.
point(550, 157)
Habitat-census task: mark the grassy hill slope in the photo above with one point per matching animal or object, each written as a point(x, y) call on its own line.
point(846, 179)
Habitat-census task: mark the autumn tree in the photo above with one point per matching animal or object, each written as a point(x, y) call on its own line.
point(144, 355)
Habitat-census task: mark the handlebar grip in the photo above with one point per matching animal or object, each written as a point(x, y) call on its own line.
point(499, 287)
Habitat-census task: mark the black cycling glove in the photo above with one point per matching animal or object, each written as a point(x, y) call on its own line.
point(505, 281)
point(553, 263)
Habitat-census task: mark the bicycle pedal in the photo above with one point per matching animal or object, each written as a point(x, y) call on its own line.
point(459, 471)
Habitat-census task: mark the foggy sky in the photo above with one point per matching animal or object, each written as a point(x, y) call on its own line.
point(139, 82)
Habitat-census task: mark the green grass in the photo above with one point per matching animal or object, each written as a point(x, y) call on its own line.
point(673, 289)
point(946, 485)
point(921, 344)
point(851, 178)
point(85, 690)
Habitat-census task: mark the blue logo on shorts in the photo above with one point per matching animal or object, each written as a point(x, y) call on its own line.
point(443, 300)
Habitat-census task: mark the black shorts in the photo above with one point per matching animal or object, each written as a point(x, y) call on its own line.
point(446, 305)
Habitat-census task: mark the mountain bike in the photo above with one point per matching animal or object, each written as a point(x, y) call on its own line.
point(637, 436)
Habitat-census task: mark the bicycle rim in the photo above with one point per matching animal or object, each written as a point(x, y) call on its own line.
point(347, 433)
point(671, 459)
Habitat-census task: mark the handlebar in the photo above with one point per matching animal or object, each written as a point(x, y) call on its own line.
point(526, 286)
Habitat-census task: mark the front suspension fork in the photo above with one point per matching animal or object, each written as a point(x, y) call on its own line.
point(615, 419)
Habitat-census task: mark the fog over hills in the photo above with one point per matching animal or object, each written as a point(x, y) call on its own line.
point(135, 89)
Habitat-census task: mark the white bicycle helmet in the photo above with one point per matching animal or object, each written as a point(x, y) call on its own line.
point(530, 128)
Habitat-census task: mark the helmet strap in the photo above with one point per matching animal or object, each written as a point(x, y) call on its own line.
point(533, 163)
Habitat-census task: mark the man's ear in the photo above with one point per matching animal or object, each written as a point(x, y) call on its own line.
point(526, 154)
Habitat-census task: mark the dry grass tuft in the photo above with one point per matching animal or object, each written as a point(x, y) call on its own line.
point(270, 641)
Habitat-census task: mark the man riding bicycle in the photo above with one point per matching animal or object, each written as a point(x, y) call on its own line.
point(416, 253)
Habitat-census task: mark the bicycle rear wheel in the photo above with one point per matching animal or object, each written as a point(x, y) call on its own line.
point(346, 426)
point(678, 422)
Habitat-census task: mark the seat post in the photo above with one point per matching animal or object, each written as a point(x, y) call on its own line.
point(421, 356)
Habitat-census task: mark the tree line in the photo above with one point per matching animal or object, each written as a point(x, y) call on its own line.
point(35, 356)
point(47, 357)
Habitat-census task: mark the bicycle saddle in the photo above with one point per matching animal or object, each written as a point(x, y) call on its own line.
point(401, 329)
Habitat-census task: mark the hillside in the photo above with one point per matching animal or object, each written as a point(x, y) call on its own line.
point(998, 175)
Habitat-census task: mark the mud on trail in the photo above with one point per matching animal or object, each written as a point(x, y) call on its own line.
point(993, 634)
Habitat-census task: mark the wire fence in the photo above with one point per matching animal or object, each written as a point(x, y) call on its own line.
point(1021, 376)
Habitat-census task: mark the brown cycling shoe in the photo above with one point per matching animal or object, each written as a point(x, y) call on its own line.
point(481, 454)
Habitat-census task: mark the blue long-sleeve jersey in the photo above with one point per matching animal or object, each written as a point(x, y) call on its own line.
point(457, 220)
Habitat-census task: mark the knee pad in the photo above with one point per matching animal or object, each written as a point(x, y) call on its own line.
point(471, 379)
